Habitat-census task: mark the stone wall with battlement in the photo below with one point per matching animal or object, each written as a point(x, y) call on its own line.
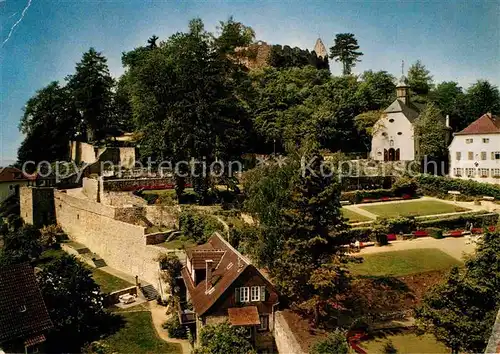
point(120, 244)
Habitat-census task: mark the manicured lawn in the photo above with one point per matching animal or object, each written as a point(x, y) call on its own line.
point(414, 208)
point(137, 336)
point(399, 263)
point(353, 217)
point(108, 282)
point(406, 343)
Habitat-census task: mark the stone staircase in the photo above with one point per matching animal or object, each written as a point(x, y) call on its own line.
point(149, 292)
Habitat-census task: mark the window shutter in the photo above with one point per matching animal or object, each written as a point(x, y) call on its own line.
point(492, 155)
point(262, 293)
point(237, 295)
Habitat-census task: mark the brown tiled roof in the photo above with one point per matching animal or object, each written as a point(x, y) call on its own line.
point(229, 268)
point(199, 256)
point(486, 124)
point(11, 174)
point(22, 310)
point(244, 316)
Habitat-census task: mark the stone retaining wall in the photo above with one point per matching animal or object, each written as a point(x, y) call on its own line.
point(285, 340)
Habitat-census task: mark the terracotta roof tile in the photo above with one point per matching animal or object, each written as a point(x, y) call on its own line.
point(22, 309)
point(244, 316)
point(486, 124)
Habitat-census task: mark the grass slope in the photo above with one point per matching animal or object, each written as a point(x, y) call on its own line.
point(414, 208)
point(108, 282)
point(138, 336)
point(399, 263)
point(353, 217)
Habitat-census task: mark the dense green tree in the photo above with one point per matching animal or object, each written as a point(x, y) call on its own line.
point(21, 245)
point(92, 89)
point(419, 79)
point(48, 123)
point(431, 132)
point(223, 338)
point(461, 311)
point(480, 98)
point(449, 96)
point(345, 50)
point(184, 103)
point(377, 88)
point(335, 343)
point(287, 57)
point(74, 302)
point(233, 34)
point(365, 124)
point(302, 231)
point(122, 109)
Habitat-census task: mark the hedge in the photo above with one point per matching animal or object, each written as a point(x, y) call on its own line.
point(406, 226)
point(439, 186)
point(403, 187)
point(458, 221)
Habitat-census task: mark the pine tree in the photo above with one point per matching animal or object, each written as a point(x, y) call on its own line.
point(91, 86)
point(346, 51)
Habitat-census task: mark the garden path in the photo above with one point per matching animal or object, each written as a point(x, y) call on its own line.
point(159, 316)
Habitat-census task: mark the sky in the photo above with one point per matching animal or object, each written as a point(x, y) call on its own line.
point(43, 39)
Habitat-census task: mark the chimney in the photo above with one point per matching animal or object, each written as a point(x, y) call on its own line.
point(209, 264)
point(447, 121)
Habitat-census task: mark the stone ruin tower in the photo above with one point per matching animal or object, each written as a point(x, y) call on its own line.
point(320, 49)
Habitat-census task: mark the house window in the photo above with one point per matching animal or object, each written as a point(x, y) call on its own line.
point(470, 172)
point(391, 143)
point(484, 172)
point(495, 172)
point(483, 155)
point(243, 294)
point(486, 140)
point(457, 172)
point(471, 155)
point(391, 120)
point(469, 141)
point(495, 155)
point(255, 293)
point(458, 155)
point(384, 134)
point(400, 133)
point(264, 322)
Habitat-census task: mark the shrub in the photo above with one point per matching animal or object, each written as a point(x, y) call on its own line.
point(404, 185)
point(175, 329)
point(401, 225)
point(458, 221)
point(434, 232)
point(335, 343)
point(198, 226)
point(361, 234)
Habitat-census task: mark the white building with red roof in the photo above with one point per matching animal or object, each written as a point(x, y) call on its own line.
point(475, 151)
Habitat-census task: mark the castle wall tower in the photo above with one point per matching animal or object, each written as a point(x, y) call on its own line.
point(37, 205)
